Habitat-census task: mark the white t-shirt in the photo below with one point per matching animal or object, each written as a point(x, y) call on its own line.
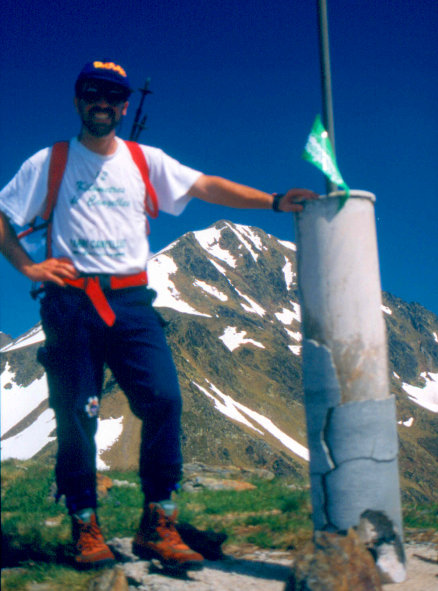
point(99, 219)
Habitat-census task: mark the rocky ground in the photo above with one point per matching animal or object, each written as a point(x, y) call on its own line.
point(246, 570)
point(241, 569)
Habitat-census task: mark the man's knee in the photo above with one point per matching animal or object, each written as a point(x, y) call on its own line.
point(163, 403)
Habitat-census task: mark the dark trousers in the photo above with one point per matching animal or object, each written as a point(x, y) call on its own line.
point(77, 346)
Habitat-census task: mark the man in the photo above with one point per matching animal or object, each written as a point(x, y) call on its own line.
point(97, 308)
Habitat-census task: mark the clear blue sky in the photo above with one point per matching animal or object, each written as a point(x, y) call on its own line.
point(236, 88)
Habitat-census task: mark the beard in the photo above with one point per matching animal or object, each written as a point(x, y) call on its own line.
point(99, 128)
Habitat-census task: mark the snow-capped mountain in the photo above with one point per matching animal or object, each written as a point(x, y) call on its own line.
point(229, 295)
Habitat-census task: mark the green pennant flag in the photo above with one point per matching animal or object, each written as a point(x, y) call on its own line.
point(318, 151)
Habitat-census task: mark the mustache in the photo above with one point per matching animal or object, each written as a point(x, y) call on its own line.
point(107, 111)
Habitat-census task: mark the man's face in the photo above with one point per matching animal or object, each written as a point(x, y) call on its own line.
point(101, 106)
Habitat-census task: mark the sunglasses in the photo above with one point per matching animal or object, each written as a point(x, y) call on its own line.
point(113, 96)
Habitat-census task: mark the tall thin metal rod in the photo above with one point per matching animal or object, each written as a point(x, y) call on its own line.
point(326, 81)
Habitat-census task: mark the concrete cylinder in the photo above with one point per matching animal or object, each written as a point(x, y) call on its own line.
point(350, 414)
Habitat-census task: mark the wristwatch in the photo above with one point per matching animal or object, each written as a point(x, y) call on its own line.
point(276, 202)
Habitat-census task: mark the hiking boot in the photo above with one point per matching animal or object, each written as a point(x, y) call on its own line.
point(91, 550)
point(158, 537)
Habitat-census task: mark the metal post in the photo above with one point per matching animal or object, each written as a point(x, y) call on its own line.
point(351, 419)
point(326, 80)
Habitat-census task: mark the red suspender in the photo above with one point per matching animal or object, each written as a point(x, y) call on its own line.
point(58, 162)
point(150, 199)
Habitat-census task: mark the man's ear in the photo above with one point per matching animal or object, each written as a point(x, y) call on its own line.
point(125, 108)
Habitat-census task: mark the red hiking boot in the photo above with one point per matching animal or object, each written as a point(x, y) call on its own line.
point(91, 550)
point(158, 537)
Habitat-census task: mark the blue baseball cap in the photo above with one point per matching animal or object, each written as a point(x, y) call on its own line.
point(105, 71)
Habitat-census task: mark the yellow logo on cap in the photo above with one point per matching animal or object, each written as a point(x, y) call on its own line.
point(110, 66)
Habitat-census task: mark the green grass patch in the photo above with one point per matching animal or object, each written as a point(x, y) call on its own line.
point(59, 577)
point(271, 516)
point(36, 532)
point(421, 516)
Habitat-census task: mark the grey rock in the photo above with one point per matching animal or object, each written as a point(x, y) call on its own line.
point(334, 562)
point(122, 549)
point(109, 580)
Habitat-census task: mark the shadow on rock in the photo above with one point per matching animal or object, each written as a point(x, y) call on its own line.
point(208, 543)
point(252, 568)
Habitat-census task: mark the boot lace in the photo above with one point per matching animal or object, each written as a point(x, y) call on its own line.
point(167, 530)
point(90, 537)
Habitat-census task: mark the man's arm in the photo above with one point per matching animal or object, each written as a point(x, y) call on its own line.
point(214, 189)
point(49, 270)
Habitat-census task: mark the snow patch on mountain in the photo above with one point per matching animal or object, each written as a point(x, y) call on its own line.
point(211, 290)
point(297, 311)
point(226, 405)
point(218, 267)
point(237, 411)
point(288, 316)
point(108, 431)
point(407, 423)
point(248, 239)
point(427, 396)
point(287, 244)
point(209, 240)
point(288, 273)
point(296, 349)
point(294, 446)
point(233, 339)
point(31, 440)
point(386, 309)
point(252, 236)
point(253, 307)
point(34, 336)
point(18, 401)
point(296, 336)
point(159, 271)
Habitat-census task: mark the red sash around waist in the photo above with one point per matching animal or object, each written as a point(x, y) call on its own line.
point(95, 285)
